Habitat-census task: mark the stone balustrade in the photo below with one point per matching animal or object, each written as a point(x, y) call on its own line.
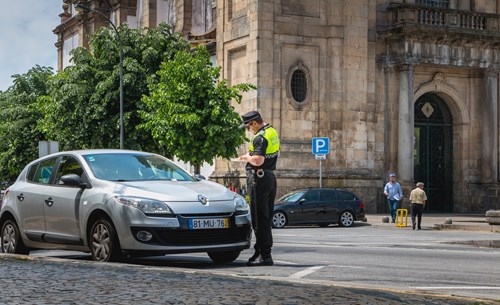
point(406, 15)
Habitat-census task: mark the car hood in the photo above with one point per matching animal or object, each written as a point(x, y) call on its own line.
point(175, 190)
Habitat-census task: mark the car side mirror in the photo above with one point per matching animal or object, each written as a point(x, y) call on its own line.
point(301, 201)
point(73, 180)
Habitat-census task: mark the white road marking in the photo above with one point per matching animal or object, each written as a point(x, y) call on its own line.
point(305, 272)
point(458, 288)
point(341, 266)
point(286, 263)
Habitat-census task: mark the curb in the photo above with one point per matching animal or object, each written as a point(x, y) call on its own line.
point(487, 228)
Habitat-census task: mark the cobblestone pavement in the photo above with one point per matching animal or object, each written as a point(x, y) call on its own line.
point(28, 280)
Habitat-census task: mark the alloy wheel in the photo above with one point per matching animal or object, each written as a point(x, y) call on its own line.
point(9, 239)
point(279, 220)
point(101, 242)
point(346, 219)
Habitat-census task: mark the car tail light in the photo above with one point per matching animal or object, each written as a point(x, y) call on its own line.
point(362, 205)
point(6, 192)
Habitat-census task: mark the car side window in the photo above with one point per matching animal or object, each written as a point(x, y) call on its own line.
point(347, 196)
point(311, 196)
point(31, 172)
point(328, 195)
point(44, 171)
point(69, 165)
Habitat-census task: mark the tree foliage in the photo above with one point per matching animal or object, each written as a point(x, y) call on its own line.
point(83, 110)
point(18, 120)
point(189, 113)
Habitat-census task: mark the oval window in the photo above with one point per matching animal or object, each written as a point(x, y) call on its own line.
point(298, 85)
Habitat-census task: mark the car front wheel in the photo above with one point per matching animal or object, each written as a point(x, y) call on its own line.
point(11, 239)
point(346, 219)
point(279, 220)
point(224, 257)
point(104, 245)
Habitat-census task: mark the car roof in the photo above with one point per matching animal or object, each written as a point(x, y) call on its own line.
point(83, 152)
point(320, 188)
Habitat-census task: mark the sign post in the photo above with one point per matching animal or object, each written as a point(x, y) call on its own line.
point(320, 148)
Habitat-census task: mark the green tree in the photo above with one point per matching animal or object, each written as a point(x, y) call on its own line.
point(188, 111)
point(83, 109)
point(19, 114)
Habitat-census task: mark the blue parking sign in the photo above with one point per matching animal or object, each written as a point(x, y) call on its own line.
point(320, 146)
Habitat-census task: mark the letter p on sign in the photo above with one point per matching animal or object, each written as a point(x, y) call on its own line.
point(320, 146)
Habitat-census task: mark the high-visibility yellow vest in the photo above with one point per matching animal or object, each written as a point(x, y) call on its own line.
point(273, 141)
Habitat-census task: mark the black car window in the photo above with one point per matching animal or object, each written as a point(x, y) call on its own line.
point(69, 165)
point(44, 171)
point(347, 196)
point(312, 195)
point(328, 195)
point(292, 197)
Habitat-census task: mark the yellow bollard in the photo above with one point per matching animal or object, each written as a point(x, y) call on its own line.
point(401, 216)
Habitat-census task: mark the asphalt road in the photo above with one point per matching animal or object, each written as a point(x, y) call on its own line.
point(363, 256)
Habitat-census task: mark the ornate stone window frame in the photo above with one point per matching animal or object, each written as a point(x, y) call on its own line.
point(298, 66)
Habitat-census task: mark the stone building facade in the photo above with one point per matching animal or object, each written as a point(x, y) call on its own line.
point(408, 86)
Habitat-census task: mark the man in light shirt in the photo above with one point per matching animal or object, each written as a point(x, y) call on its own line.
point(418, 199)
point(394, 193)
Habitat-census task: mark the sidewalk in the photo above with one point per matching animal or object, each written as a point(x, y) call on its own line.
point(468, 222)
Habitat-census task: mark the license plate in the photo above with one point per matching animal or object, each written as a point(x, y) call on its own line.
point(208, 223)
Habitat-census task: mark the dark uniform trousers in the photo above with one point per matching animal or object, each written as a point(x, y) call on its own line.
point(262, 209)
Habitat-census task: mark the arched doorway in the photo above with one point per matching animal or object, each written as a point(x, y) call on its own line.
point(433, 151)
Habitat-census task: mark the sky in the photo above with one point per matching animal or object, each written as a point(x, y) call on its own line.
point(26, 37)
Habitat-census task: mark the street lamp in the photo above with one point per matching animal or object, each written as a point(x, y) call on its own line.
point(80, 8)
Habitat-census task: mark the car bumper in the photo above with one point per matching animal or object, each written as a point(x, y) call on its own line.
point(174, 235)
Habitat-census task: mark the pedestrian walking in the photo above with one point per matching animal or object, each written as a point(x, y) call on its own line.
point(394, 194)
point(261, 183)
point(418, 198)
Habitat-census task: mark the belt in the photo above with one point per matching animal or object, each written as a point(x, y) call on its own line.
point(259, 172)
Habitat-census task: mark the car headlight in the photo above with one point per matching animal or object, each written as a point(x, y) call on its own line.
point(240, 204)
point(149, 207)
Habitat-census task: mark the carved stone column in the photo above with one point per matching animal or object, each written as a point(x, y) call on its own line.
point(405, 124)
point(490, 128)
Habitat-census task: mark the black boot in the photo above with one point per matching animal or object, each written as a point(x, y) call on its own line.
point(254, 257)
point(262, 261)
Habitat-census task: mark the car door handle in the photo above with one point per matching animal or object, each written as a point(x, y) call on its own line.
point(49, 202)
point(20, 197)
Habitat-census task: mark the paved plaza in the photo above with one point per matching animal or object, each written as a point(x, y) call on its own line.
point(43, 280)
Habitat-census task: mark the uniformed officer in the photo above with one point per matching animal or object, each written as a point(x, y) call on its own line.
point(261, 183)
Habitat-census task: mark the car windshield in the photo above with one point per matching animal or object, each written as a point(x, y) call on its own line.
point(292, 197)
point(133, 167)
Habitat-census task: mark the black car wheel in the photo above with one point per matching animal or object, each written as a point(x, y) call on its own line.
point(224, 257)
point(346, 219)
point(11, 239)
point(279, 220)
point(104, 244)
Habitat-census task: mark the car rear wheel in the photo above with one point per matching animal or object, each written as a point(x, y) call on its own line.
point(104, 245)
point(11, 239)
point(224, 257)
point(279, 220)
point(346, 219)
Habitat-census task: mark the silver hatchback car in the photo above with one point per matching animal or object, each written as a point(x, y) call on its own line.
point(119, 203)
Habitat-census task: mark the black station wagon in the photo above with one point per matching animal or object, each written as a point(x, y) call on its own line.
point(321, 206)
